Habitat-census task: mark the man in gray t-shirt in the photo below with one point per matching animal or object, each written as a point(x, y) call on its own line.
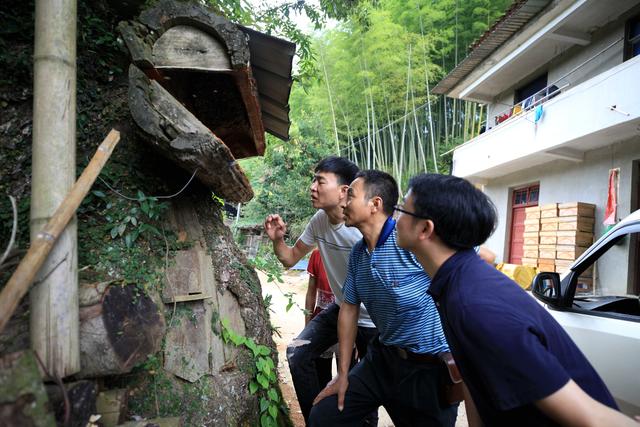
point(327, 230)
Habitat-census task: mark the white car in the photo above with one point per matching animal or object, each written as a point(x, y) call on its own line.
point(606, 328)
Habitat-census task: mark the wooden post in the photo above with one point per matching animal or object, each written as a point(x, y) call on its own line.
point(41, 245)
point(54, 301)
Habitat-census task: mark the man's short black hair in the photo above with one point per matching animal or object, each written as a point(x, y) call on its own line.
point(380, 184)
point(463, 216)
point(342, 167)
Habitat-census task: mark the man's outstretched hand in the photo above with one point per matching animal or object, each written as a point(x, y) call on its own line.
point(338, 385)
point(275, 227)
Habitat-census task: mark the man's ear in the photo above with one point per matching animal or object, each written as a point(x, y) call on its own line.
point(343, 191)
point(426, 230)
point(377, 203)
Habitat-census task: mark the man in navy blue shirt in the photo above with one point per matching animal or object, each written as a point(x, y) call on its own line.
point(401, 370)
point(519, 366)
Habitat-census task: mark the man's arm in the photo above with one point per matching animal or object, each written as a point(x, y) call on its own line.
point(487, 255)
point(287, 255)
point(347, 330)
point(473, 416)
point(571, 406)
point(310, 299)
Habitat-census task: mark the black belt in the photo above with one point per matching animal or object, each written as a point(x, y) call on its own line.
point(418, 357)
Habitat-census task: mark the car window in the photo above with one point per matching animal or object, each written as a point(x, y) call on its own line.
point(602, 283)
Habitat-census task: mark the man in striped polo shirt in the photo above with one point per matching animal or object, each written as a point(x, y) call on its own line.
point(402, 370)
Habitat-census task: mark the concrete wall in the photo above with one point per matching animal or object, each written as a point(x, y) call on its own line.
point(587, 181)
point(568, 60)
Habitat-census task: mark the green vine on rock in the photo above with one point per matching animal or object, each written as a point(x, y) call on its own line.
point(266, 378)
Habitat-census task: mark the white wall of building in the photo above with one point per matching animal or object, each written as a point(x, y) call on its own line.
point(564, 181)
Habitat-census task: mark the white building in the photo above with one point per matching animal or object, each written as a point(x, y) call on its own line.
point(579, 60)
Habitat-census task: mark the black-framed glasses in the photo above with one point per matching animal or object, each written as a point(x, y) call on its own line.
point(399, 209)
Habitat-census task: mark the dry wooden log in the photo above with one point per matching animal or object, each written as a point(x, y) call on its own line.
point(167, 13)
point(119, 328)
point(180, 136)
point(203, 60)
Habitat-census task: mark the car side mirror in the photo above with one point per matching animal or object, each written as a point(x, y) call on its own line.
point(546, 287)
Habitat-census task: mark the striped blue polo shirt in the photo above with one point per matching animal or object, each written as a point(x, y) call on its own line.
point(393, 287)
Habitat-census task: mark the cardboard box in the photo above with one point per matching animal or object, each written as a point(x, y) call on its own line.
point(530, 228)
point(531, 221)
point(549, 211)
point(574, 237)
point(532, 209)
point(529, 261)
point(532, 215)
point(577, 209)
point(547, 251)
point(576, 223)
point(546, 267)
point(531, 238)
point(530, 253)
point(546, 262)
point(549, 226)
point(548, 240)
point(569, 252)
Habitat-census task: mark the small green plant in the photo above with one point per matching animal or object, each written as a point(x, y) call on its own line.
point(265, 379)
point(267, 262)
point(131, 223)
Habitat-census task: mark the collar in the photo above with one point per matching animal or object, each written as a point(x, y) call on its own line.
point(441, 279)
point(387, 229)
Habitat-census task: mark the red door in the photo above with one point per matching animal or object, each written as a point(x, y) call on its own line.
point(522, 198)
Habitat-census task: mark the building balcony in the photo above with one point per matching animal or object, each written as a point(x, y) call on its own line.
point(596, 113)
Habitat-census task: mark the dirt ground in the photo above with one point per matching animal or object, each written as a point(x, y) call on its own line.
point(289, 324)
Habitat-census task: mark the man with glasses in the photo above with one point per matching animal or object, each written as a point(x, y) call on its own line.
point(402, 370)
point(519, 365)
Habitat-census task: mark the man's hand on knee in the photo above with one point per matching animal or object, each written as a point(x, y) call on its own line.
point(338, 385)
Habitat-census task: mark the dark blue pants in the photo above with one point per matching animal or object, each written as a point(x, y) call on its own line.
point(319, 334)
point(409, 391)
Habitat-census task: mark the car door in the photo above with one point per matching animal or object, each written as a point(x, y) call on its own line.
point(606, 328)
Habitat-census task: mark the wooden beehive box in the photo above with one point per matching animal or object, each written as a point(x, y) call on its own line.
point(577, 209)
point(549, 211)
point(575, 223)
point(574, 237)
point(548, 237)
point(569, 252)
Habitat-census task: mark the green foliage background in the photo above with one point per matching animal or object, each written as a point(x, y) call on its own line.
point(378, 62)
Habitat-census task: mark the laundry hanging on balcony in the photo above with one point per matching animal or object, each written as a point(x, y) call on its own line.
point(538, 114)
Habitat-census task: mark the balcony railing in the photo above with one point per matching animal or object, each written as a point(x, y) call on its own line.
point(545, 94)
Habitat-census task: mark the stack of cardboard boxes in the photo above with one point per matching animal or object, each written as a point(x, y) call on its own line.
point(556, 234)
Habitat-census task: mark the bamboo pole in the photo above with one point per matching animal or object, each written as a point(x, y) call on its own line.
point(44, 241)
point(41, 245)
point(54, 329)
point(333, 113)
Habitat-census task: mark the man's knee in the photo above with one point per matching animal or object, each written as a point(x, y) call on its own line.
point(323, 413)
point(298, 352)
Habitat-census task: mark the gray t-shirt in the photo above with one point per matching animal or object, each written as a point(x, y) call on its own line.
point(335, 242)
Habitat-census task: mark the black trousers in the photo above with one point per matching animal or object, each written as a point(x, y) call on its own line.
point(303, 353)
point(409, 391)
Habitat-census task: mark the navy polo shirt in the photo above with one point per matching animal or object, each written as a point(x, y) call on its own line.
point(392, 285)
point(510, 350)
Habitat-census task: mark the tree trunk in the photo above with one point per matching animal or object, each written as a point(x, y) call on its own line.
point(54, 299)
